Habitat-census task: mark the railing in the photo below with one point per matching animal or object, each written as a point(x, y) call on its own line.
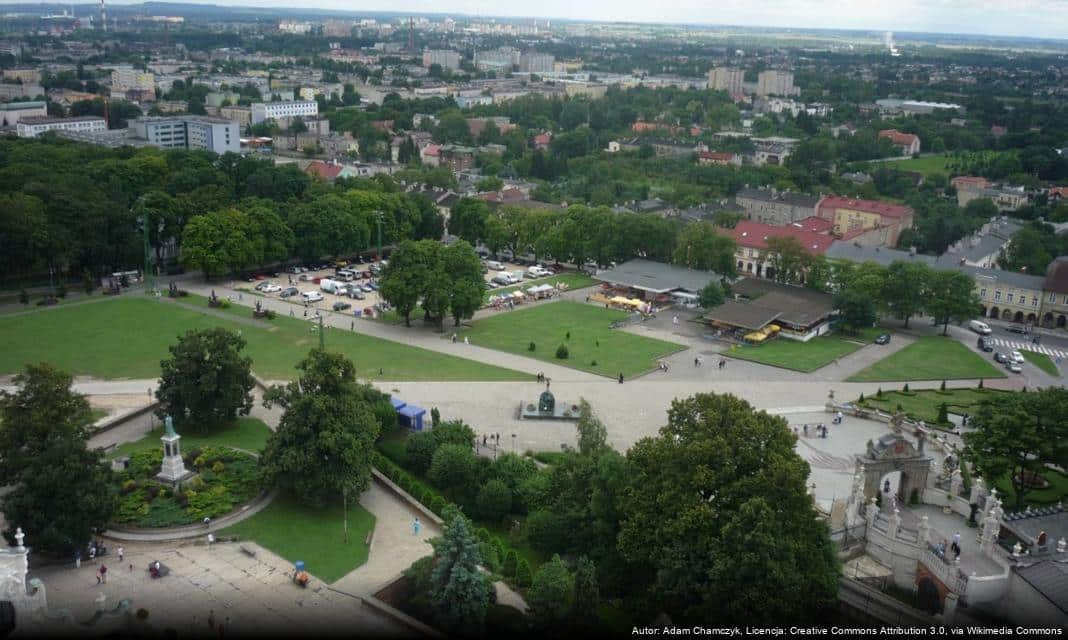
point(946, 570)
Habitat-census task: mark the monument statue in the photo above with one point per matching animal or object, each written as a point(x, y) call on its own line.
point(173, 468)
point(546, 402)
point(168, 424)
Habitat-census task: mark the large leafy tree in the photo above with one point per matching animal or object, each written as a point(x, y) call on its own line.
point(550, 595)
point(207, 380)
point(459, 593)
point(322, 448)
point(856, 309)
point(404, 279)
point(951, 296)
point(905, 288)
point(467, 219)
point(466, 286)
point(718, 470)
point(789, 259)
point(218, 242)
point(61, 490)
point(1016, 435)
point(700, 247)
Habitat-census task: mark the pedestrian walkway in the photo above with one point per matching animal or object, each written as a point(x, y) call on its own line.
point(1015, 345)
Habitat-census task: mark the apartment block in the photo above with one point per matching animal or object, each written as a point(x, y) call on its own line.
point(776, 83)
point(726, 79)
point(33, 127)
point(446, 58)
point(189, 132)
point(263, 111)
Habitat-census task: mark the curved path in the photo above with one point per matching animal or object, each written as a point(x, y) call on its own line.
point(194, 531)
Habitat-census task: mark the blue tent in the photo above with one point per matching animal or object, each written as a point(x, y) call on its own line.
point(411, 416)
point(397, 402)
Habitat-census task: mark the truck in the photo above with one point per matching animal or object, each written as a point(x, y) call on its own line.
point(329, 286)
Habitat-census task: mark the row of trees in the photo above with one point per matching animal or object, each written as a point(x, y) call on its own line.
point(441, 279)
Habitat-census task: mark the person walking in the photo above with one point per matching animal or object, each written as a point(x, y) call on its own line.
point(104, 573)
point(416, 526)
point(620, 377)
point(78, 559)
point(484, 438)
point(305, 311)
point(675, 320)
point(696, 363)
point(956, 538)
point(290, 313)
point(121, 553)
point(466, 341)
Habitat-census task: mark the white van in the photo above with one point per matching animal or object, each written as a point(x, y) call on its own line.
point(329, 286)
point(535, 272)
point(496, 266)
point(503, 279)
point(346, 275)
point(311, 296)
point(979, 327)
point(517, 276)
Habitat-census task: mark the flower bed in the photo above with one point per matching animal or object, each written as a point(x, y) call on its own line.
point(225, 480)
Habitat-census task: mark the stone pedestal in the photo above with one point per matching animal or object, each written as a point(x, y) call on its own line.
point(173, 468)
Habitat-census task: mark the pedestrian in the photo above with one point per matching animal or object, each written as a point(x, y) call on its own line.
point(454, 338)
point(886, 486)
point(211, 619)
point(956, 551)
point(92, 552)
point(804, 427)
point(240, 296)
point(466, 341)
point(498, 437)
point(104, 573)
point(77, 559)
point(675, 320)
point(484, 438)
point(131, 567)
point(722, 363)
point(352, 325)
point(290, 313)
point(98, 577)
point(956, 538)
point(207, 521)
point(121, 553)
point(416, 526)
point(305, 311)
point(695, 364)
point(620, 377)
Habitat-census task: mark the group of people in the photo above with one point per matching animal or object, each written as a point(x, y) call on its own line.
point(940, 548)
point(837, 418)
point(495, 438)
point(821, 430)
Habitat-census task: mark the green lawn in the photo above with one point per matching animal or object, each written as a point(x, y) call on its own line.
point(298, 531)
point(249, 434)
point(923, 404)
point(804, 356)
point(930, 358)
point(925, 165)
point(572, 280)
point(128, 336)
point(591, 338)
point(1041, 361)
point(1056, 492)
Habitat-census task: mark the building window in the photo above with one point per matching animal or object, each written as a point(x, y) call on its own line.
point(1052, 297)
point(1034, 301)
point(982, 293)
point(997, 296)
point(1010, 298)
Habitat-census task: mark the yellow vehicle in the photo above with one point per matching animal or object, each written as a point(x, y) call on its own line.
point(341, 264)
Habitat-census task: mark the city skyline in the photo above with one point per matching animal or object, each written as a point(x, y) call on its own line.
point(1016, 18)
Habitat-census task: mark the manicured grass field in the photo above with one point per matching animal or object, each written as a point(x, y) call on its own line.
point(804, 356)
point(930, 358)
point(1057, 491)
point(572, 280)
point(923, 404)
point(127, 337)
point(1041, 361)
point(298, 531)
point(591, 338)
point(925, 165)
point(249, 434)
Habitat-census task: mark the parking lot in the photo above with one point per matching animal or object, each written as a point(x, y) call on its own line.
point(367, 303)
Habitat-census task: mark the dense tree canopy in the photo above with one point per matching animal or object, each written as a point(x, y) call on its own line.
point(207, 380)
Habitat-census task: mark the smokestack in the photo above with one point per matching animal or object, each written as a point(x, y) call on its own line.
point(103, 16)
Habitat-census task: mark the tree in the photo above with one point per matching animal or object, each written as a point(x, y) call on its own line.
point(700, 247)
point(465, 289)
point(453, 467)
point(494, 500)
point(789, 259)
point(905, 288)
point(467, 219)
point(1028, 252)
point(1015, 435)
point(856, 310)
point(323, 445)
point(586, 596)
point(207, 380)
point(404, 279)
point(61, 490)
point(550, 594)
point(459, 593)
point(592, 434)
point(489, 183)
point(719, 463)
point(419, 449)
point(711, 296)
point(218, 242)
point(951, 296)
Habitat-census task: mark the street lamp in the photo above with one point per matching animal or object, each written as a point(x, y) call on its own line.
point(378, 220)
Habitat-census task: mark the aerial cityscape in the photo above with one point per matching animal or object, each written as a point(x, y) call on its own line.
point(498, 320)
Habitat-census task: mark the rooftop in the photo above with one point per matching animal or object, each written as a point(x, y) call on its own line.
point(51, 119)
point(656, 277)
point(1057, 275)
point(887, 209)
point(18, 106)
point(1050, 578)
point(756, 234)
point(787, 197)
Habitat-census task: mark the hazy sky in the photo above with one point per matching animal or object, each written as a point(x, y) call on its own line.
point(1039, 18)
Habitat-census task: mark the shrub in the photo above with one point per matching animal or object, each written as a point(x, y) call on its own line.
point(218, 467)
point(511, 562)
point(419, 449)
point(499, 546)
point(454, 467)
point(532, 346)
point(225, 304)
point(561, 352)
point(128, 486)
point(490, 559)
point(435, 417)
point(88, 282)
point(879, 392)
point(523, 577)
point(546, 531)
point(861, 398)
point(151, 491)
point(494, 501)
point(593, 363)
point(943, 413)
point(980, 383)
point(914, 497)
point(899, 407)
point(426, 497)
point(437, 505)
point(483, 534)
point(567, 336)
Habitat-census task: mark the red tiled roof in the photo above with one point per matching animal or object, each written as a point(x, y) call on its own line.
point(815, 224)
point(1057, 276)
point(324, 170)
point(886, 209)
point(716, 156)
point(755, 234)
point(897, 137)
point(1058, 192)
point(543, 138)
point(979, 180)
point(432, 150)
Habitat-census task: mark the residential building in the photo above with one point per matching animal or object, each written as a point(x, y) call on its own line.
point(852, 216)
point(498, 60)
point(241, 115)
point(771, 206)
point(751, 254)
point(773, 150)
point(189, 132)
point(591, 90)
point(907, 143)
point(534, 62)
point(475, 126)
point(33, 127)
point(16, 91)
point(446, 58)
point(24, 75)
point(172, 106)
point(726, 79)
point(982, 248)
point(126, 81)
point(969, 182)
point(456, 157)
point(1055, 292)
point(295, 27)
point(1005, 198)
point(720, 158)
point(848, 129)
point(263, 111)
point(12, 112)
point(776, 83)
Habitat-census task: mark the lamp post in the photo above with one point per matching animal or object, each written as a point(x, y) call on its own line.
point(378, 221)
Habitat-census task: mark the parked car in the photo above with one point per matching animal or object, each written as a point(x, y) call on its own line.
point(984, 345)
point(1017, 357)
point(289, 292)
point(367, 287)
point(373, 285)
point(1017, 328)
point(311, 296)
point(1001, 357)
point(270, 287)
point(341, 306)
point(496, 266)
point(261, 285)
point(356, 294)
point(306, 277)
point(883, 338)
point(1014, 367)
point(294, 270)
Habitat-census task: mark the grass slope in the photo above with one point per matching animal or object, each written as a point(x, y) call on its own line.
point(249, 434)
point(592, 338)
point(298, 531)
point(930, 358)
point(127, 337)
